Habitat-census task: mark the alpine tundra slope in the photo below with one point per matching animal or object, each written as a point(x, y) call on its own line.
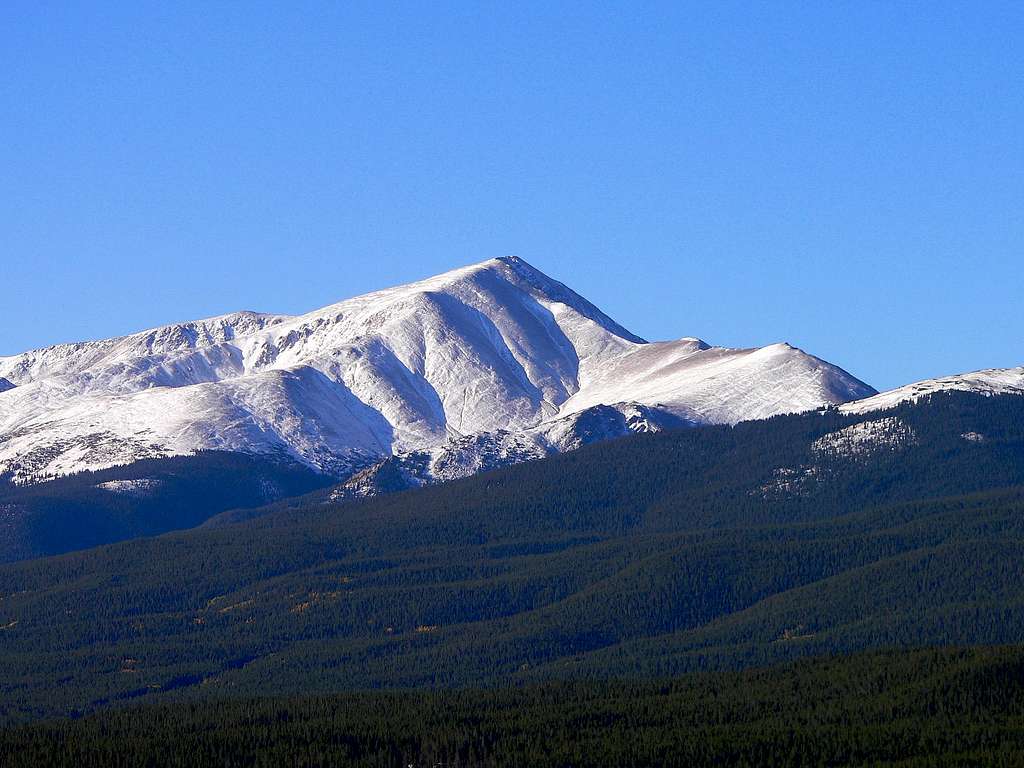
point(495, 358)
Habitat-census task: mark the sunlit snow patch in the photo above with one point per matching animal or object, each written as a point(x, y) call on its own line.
point(865, 439)
point(141, 487)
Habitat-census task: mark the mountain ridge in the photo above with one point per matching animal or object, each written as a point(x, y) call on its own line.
point(987, 381)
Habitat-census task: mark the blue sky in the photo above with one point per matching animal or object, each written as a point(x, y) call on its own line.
point(848, 177)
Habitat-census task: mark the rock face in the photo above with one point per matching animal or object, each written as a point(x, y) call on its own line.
point(489, 360)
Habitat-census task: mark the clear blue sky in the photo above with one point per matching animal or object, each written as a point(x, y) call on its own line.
point(848, 177)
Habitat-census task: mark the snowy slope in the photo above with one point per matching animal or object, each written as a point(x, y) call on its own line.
point(493, 347)
point(716, 385)
point(993, 381)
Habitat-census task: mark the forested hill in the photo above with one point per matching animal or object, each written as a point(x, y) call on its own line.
point(144, 498)
point(718, 547)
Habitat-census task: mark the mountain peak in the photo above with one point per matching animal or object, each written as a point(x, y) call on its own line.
point(505, 281)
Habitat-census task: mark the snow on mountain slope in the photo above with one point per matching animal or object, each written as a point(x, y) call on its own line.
point(173, 355)
point(993, 381)
point(865, 439)
point(469, 454)
point(716, 385)
point(496, 346)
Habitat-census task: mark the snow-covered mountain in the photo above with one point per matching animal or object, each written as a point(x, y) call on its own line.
point(993, 381)
point(488, 358)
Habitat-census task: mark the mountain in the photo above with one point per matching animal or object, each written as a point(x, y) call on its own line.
point(493, 349)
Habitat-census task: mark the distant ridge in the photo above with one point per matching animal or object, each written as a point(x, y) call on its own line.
point(992, 381)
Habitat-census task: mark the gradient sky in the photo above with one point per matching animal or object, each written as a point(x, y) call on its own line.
point(848, 177)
